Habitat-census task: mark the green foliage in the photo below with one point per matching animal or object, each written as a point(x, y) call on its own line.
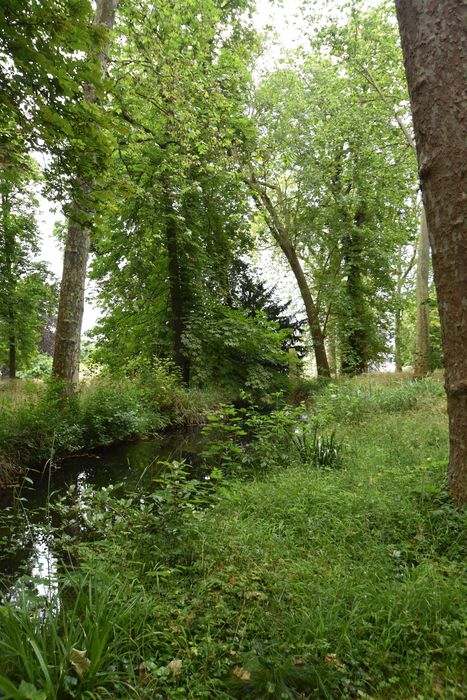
point(39, 367)
point(341, 180)
point(248, 442)
point(320, 451)
point(28, 294)
point(93, 611)
point(348, 402)
point(44, 425)
point(306, 583)
point(48, 52)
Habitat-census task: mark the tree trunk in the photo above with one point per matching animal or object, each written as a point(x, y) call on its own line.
point(317, 337)
point(176, 291)
point(433, 42)
point(422, 336)
point(71, 303)
point(398, 318)
point(282, 238)
point(11, 345)
point(354, 331)
point(397, 340)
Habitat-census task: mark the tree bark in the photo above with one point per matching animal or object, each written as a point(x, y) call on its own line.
point(71, 305)
point(422, 335)
point(433, 43)
point(71, 302)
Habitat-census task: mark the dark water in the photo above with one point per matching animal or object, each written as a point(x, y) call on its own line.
point(26, 525)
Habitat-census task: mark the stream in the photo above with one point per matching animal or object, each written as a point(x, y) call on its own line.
point(26, 554)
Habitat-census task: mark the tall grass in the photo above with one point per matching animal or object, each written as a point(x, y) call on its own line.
point(305, 583)
point(96, 618)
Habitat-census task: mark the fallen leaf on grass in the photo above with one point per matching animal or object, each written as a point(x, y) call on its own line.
point(175, 666)
point(80, 662)
point(241, 673)
point(333, 660)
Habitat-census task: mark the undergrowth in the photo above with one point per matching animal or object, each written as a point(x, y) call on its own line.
point(43, 426)
point(299, 582)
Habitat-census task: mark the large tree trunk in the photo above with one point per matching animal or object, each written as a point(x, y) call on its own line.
point(71, 305)
point(433, 42)
point(422, 336)
point(71, 302)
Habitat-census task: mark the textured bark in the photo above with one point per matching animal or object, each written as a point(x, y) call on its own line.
point(71, 303)
point(176, 291)
point(433, 42)
point(422, 335)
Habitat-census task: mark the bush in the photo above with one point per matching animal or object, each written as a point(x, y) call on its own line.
point(248, 442)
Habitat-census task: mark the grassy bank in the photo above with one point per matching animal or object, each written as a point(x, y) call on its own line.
point(303, 582)
point(37, 425)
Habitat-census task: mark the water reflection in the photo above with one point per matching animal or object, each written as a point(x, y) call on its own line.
point(28, 550)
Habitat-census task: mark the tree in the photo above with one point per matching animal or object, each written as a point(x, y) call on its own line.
point(333, 186)
point(179, 217)
point(433, 43)
point(26, 290)
point(368, 47)
point(278, 220)
point(422, 294)
point(71, 303)
point(43, 65)
point(249, 292)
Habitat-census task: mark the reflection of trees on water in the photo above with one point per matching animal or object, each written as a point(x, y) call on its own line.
point(33, 550)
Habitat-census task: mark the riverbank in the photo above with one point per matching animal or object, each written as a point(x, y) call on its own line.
point(302, 581)
point(38, 427)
